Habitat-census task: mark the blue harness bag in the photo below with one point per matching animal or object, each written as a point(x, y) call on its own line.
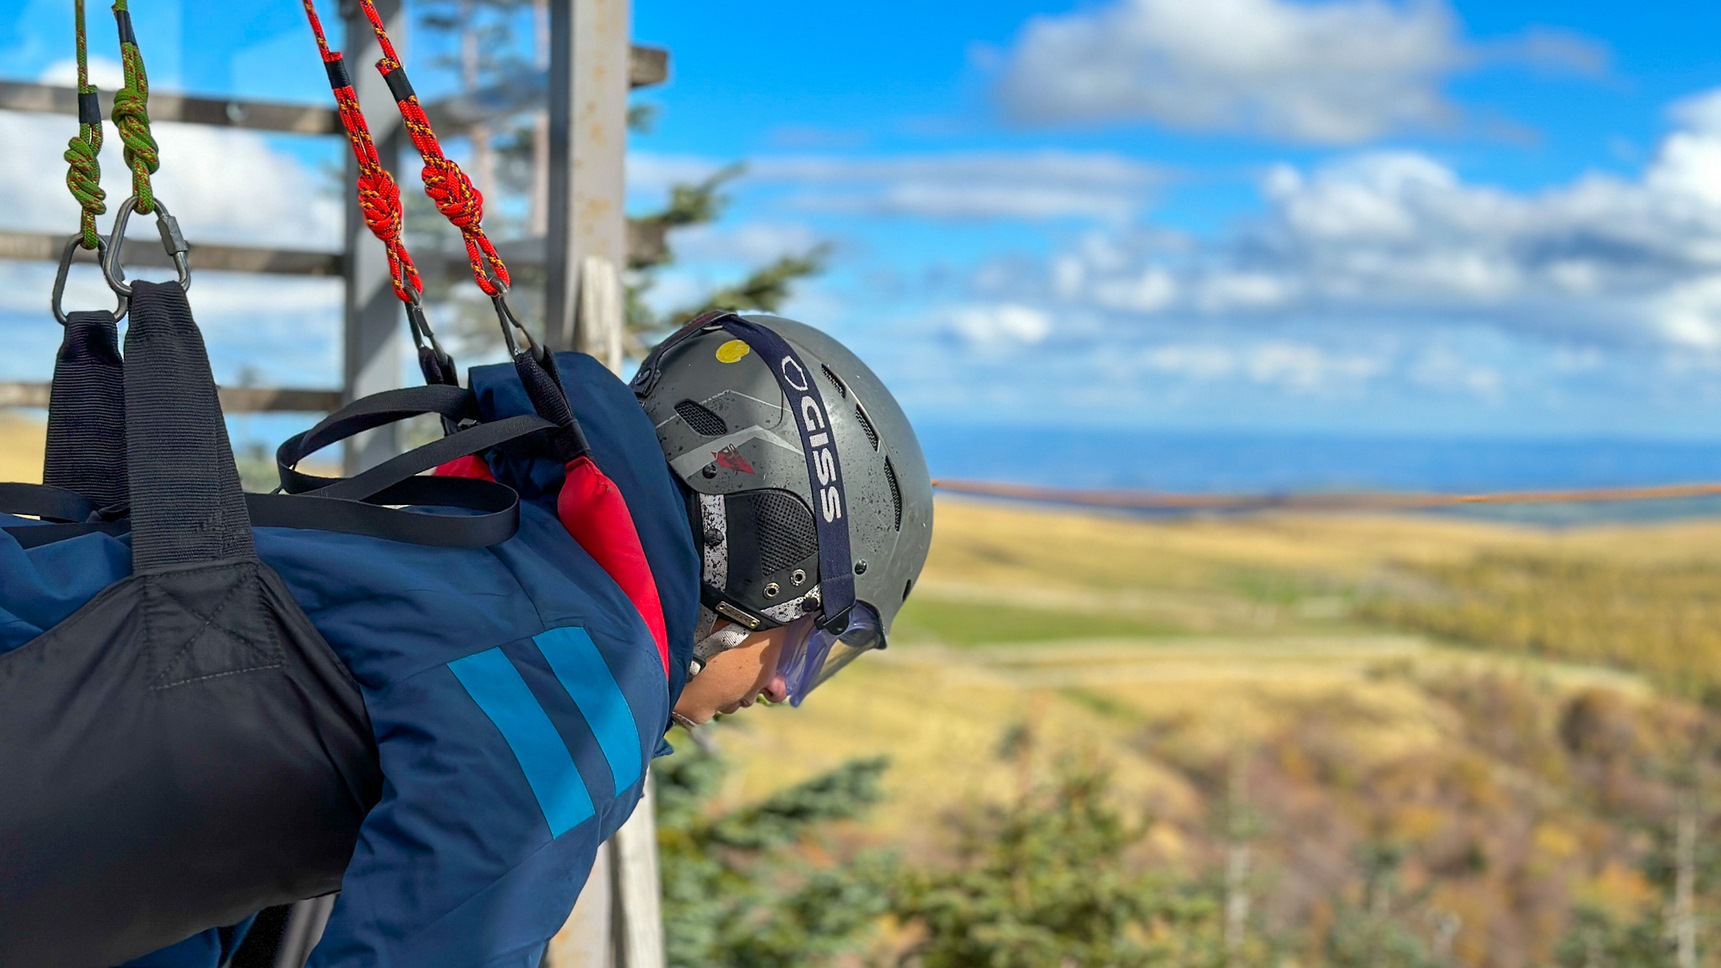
point(419, 691)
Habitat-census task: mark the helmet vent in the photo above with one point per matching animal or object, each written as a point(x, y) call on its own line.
point(703, 421)
point(836, 381)
point(866, 425)
point(895, 491)
point(784, 527)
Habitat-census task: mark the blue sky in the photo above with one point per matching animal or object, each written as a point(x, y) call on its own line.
point(1344, 216)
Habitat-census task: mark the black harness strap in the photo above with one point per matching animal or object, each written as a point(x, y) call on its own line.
point(46, 502)
point(494, 519)
point(86, 411)
point(187, 505)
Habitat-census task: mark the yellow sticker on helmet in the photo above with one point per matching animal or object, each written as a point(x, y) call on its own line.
point(732, 351)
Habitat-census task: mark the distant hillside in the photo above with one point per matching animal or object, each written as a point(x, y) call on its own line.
point(1340, 677)
point(20, 448)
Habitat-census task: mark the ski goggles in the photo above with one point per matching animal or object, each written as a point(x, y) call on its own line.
point(808, 660)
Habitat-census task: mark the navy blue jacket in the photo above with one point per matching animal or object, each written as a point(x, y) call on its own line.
point(514, 692)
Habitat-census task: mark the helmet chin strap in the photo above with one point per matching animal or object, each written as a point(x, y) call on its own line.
point(711, 640)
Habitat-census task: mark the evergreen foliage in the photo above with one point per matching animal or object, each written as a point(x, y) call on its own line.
point(1379, 932)
point(1597, 939)
point(765, 289)
point(1047, 881)
point(739, 889)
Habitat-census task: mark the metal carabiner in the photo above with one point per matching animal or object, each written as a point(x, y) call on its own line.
point(511, 325)
point(65, 270)
point(171, 239)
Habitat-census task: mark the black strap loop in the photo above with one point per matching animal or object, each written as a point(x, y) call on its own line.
point(497, 520)
point(46, 502)
point(86, 411)
point(187, 505)
point(403, 467)
point(376, 410)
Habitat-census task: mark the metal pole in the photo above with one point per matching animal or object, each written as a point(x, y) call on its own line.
point(589, 81)
point(372, 338)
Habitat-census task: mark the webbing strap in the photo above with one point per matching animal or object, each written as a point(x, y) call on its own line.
point(403, 467)
point(376, 410)
point(494, 514)
point(46, 502)
point(187, 505)
point(86, 411)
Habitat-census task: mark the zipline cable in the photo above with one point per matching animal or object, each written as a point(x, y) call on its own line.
point(1337, 501)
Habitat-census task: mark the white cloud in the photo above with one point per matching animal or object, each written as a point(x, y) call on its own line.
point(1439, 368)
point(1149, 291)
point(1394, 239)
point(1195, 361)
point(1331, 72)
point(1000, 327)
point(223, 185)
point(105, 73)
point(1307, 368)
point(978, 185)
point(651, 175)
point(1040, 184)
point(1299, 367)
point(752, 243)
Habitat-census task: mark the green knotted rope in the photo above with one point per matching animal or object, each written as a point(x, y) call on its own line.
point(84, 171)
point(131, 114)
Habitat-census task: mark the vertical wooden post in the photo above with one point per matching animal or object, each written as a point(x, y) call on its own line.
point(618, 921)
point(589, 81)
point(372, 338)
point(638, 890)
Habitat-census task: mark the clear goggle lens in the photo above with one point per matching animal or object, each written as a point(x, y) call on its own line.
point(808, 660)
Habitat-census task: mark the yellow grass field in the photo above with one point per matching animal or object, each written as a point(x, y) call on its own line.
point(1211, 633)
point(20, 448)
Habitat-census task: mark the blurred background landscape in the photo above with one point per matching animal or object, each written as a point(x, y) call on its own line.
point(1241, 246)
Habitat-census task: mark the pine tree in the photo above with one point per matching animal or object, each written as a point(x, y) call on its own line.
point(738, 891)
point(1380, 931)
point(1046, 881)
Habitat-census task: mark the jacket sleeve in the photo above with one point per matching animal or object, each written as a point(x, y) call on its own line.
point(503, 772)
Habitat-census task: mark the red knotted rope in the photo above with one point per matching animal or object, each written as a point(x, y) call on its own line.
point(379, 193)
point(454, 194)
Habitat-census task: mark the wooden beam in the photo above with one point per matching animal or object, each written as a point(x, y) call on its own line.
point(646, 66)
point(221, 112)
point(233, 399)
point(645, 244)
point(145, 251)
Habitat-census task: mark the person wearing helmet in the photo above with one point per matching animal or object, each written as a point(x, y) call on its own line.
point(782, 511)
point(807, 493)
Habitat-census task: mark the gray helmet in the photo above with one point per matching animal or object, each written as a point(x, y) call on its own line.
point(755, 462)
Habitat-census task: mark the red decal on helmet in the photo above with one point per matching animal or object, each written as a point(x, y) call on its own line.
point(731, 458)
